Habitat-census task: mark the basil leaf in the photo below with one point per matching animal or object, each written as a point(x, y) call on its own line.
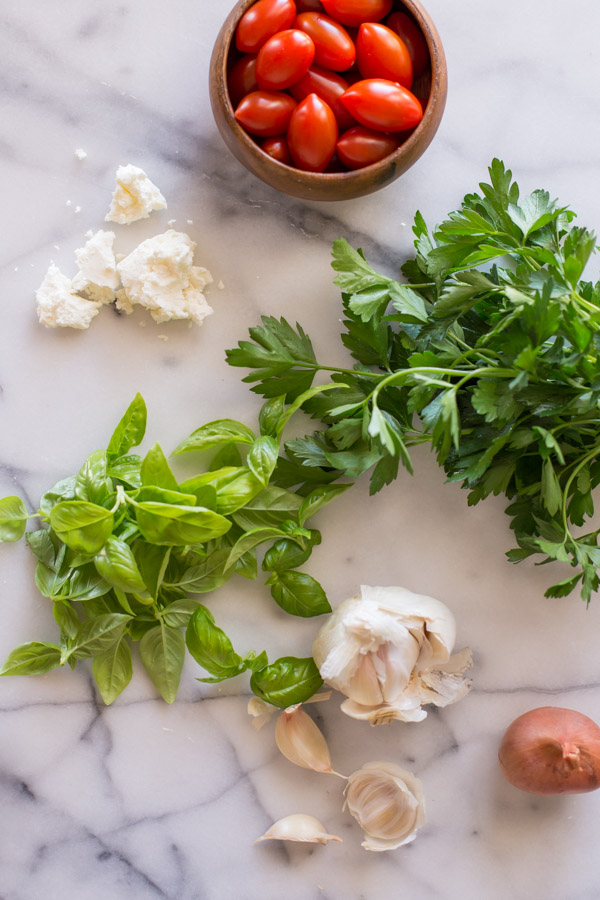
point(97, 635)
point(66, 618)
point(262, 458)
point(152, 561)
point(207, 576)
point(298, 594)
point(130, 430)
point(92, 482)
point(81, 525)
point(163, 523)
point(247, 565)
point(271, 507)
point(128, 470)
point(43, 547)
point(205, 495)
point(302, 398)
point(270, 415)
point(221, 431)
point(13, 519)
point(62, 490)
point(287, 554)
point(162, 650)
point(319, 498)
point(31, 659)
point(162, 495)
point(86, 584)
point(177, 614)
point(218, 478)
point(156, 470)
point(48, 582)
point(112, 670)
point(249, 541)
point(287, 681)
point(254, 662)
point(238, 492)
point(210, 646)
point(116, 564)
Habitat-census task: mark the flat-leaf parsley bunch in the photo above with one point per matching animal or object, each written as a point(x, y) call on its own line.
point(488, 352)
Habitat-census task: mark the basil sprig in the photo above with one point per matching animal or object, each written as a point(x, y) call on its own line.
point(124, 547)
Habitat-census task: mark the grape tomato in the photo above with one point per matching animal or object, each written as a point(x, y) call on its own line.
point(277, 148)
point(309, 6)
point(360, 147)
point(382, 105)
point(265, 113)
point(284, 59)
point(380, 53)
point(329, 86)
point(355, 12)
point(334, 48)
point(413, 37)
point(312, 134)
point(261, 21)
point(242, 79)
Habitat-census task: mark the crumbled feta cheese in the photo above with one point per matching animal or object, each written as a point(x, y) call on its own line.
point(160, 276)
point(134, 197)
point(77, 209)
point(97, 276)
point(80, 154)
point(59, 306)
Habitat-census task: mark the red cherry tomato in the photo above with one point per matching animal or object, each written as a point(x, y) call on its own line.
point(360, 147)
point(277, 147)
point(355, 12)
point(309, 6)
point(411, 34)
point(284, 59)
point(265, 113)
point(312, 134)
point(329, 86)
point(242, 79)
point(380, 53)
point(382, 105)
point(334, 48)
point(263, 19)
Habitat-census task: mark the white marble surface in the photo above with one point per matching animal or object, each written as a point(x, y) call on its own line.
point(141, 800)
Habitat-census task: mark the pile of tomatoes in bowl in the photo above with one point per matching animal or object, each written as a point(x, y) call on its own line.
point(328, 85)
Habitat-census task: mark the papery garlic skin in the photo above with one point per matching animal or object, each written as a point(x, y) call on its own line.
point(380, 648)
point(260, 711)
point(301, 740)
point(298, 827)
point(388, 804)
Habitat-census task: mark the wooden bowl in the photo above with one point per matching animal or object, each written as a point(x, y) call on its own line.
point(432, 86)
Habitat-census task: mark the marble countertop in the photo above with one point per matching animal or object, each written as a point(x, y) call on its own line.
point(142, 800)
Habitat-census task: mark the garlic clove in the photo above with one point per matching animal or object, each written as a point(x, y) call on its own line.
point(388, 804)
point(301, 741)
point(447, 683)
point(298, 827)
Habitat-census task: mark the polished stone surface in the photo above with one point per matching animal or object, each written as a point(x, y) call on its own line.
point(141, 800)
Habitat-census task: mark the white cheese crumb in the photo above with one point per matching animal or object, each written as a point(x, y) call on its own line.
point(77, 209)
point(59, 306)
point(171, 222)
point(190, 221)
point(68, 203)
point(80, 154)
point(162, 337)
point(134, 197)
point(97, 276)
point(221, 286)
point(160, 276)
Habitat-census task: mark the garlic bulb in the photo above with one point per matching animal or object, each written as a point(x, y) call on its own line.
point(387, 802)
point(389, 651)
point(298, 827)
point(301, 741)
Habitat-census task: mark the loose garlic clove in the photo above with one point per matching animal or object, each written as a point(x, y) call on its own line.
point(298, 827)
point(302, 742)
point(387, 802)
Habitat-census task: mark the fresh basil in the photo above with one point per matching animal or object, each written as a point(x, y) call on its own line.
point(130, 430)
point(298, 594)
point(81, 525)
point(13, 519)
point(222, 431)
point(113, 670)
point(287, 681)
point(162, 650)
point(34, 658)
point(211, 648)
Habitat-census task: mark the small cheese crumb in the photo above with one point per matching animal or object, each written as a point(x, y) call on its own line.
point(134, 197)
point(162, 337)
point(80, 154)
point(97, 276)
point(160, 276)
point(221, 286)
point(68, 203)
point(77, 210)
point(59, 306)
point(190, 221)
point(171, 222)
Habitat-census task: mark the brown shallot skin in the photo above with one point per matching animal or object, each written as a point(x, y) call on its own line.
point(551, 750)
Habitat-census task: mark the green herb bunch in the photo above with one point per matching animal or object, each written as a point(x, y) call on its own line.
point(123, 549)
point(488, 352)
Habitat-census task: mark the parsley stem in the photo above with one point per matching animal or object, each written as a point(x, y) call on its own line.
point(497, 372)
point(595, 451)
